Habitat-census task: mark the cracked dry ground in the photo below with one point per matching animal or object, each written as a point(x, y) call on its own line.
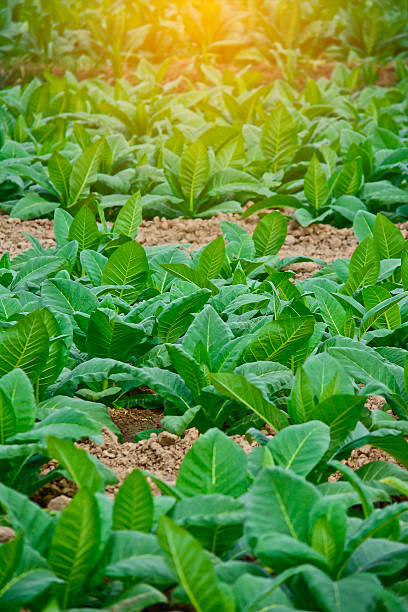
point(162, 455)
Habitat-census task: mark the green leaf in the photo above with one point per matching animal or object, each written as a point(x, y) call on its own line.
point(32, 206)
point(360, 592)
point(279, 137)
point(212, 258)
point(363, 225)
point(62, 223)
point(300, 447)
point(177, 316)
point(210, 330)
point(25, 345)
point(109, 336)
point(133, 506)
point(26, 516)
point(404, 269)
point(285, 340)
point(18, 390)
point(75, 545)
point(364, 267)
point(37, 269)
point(348, 180)
point(194, 173)
point(77, 463)
point(10, 557)
point(327, 528)
point(214, 464)
point(84, 229)
point(388, 238)
point(192, 566)
point(279, 501)
point(244, 392)
point(59, 168)
point(341, 413)
point(301, 402)
point(84, 171)
point(316, 184)
point(127, 265)
point(8, 426)
point(188, 368)
point(93, 264)
point(386, 310)
point(129, 217)
point(270, 233)
point(66, 296)
point(190, 275)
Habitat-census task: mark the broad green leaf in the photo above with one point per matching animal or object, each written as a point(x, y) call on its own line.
point(316, 184)
point(59, 168)
point(32, 206)
point(27, 516)
point(363, 225)
point(364, 267)
point(129, 217)
point(183, 271)
point(341, 413)
point(388, 238)
point(279, 137)
point(285, 340)
point(187, 367)
point(8, 425)
point(331, 310)
point(279, 501)
point(192, 566)
point(348, 180)
point(360, 592)
point(84, 171)
point(75, 545)
point(25, 345)
point(209, 329)
point(177, 316)
point(167, 384)
point(62, 223)
point(109, 336)
point(84, 229)
point(327, 528)
point(67, 296)
point(57, 352)
point(10, 557)
point(212, 258)
point(385, 311)
point(300, 447)
point(301, 400)
point(214, 464)
point(93, 264)
point(77, 463)
point(18, 390)
point(37, 269)
point(270, 233)
point(133, 506)
point(127, 265)
point(244, 392)
point(194, 173)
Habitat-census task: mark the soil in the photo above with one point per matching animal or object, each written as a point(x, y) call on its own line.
point(321, 241)
point(162, 454)
point(188, 68)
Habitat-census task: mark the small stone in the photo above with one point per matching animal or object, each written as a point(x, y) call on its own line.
point(6, 534)
point(59, 503)
point(166, 438)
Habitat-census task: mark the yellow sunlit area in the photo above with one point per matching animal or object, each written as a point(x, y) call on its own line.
point(204, 305)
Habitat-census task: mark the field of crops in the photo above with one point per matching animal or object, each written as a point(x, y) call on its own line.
point(204, 305)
